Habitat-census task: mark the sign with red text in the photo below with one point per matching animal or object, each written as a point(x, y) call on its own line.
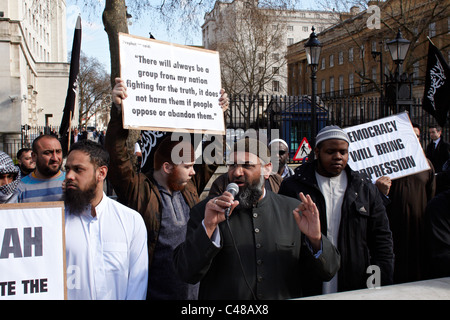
point(32, 252)
point(386, 147)
point(170, 87)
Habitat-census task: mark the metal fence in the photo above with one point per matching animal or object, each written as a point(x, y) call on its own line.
point(27, 135)
point(291, 115)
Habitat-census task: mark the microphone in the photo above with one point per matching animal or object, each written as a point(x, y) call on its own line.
point(232, 188)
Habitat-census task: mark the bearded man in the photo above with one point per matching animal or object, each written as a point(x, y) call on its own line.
point(25, 161)
point(45, 182)
point(268, 241)
point(106, 242)
point(163, 197)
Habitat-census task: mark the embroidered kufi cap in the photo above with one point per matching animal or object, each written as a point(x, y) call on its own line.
point(331, 132)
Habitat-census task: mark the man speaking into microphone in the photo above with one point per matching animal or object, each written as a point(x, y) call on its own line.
point(267, 244)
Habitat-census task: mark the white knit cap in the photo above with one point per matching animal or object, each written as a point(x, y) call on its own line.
point(279, 140)
point(331, 132)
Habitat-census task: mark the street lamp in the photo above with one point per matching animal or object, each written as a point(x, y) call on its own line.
point(375, 54)
point(313, 48)
point(398, 48)
point(399, 86)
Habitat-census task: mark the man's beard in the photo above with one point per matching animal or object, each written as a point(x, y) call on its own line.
point(47, 171)
point(26, 169)
point(251, 193)
point(77, 200)
point(173, 181)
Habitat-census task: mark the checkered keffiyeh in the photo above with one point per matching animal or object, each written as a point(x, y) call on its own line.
point(7, 166)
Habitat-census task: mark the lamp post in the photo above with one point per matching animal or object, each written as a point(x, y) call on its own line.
point(400, 86)
point(383, 111)
point(398, 49)
point(313, 48)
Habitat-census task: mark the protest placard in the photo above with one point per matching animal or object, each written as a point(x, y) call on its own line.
point(170, 87)
point(32, 252)
point(386, 147)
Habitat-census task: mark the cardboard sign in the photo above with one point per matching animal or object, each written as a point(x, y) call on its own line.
point(170, 87)
point(32, 252)
point(386, 147)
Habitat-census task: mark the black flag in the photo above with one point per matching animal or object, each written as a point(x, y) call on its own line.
point(73, 80)
point(437, 86)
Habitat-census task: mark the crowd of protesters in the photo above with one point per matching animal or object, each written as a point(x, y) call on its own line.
point(283, 234)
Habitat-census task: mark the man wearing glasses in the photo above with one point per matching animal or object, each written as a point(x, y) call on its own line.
point(281, 149)
point(271, 183)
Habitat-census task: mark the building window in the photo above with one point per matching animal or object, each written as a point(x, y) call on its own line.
point(374, 46)
point(276, 56)
point(332, 86)
point(275, 86)
point(416, 73)
point(351, 83)
point(324, 86)
point(290, 41)
point(350, 55)
point(341, 85)
point(331, 60)
point(374, 74)
point(322, 67)
point(341, 57)
point(432, 29)
point(305, 29)
point(290, 28)
point(361, 52)
point(275, 70)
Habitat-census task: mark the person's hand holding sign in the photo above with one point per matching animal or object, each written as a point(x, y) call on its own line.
point(119, 92)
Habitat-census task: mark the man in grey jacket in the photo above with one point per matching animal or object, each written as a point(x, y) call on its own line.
point(263, 247)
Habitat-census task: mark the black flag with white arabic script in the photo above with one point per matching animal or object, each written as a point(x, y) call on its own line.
point(73, 80)
point(436, 99)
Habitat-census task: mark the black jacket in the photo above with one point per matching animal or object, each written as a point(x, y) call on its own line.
point(438, 155)
point(364, 235)
point(271, 247)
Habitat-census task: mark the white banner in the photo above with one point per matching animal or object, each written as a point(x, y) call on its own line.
point(170, 86)
point(386, 147)
point(32, 252)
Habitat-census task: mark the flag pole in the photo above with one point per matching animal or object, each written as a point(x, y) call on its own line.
point(431, 41)
point(73, 81)
point(70, 132)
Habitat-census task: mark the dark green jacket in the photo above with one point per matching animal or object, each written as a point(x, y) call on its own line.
point(272, 249)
